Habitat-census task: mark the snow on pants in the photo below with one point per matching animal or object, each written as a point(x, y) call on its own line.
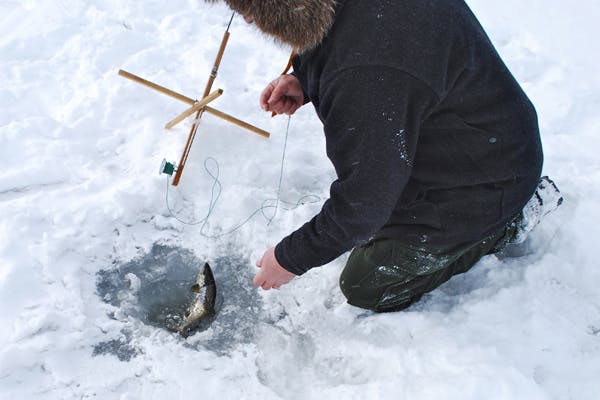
point(388, 275)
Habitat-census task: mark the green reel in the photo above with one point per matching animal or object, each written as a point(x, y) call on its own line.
point(167, 167)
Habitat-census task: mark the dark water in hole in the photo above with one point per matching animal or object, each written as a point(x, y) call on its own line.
point(156, 289)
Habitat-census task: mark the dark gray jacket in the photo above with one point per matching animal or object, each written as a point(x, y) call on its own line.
point(432, 139)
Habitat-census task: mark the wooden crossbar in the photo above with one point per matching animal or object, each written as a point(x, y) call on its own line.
point(196, 107)
point(191, 102)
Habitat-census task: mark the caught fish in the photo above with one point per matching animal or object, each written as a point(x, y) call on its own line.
point(203, 305)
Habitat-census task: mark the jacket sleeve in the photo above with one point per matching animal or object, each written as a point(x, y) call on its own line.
point(371, 118)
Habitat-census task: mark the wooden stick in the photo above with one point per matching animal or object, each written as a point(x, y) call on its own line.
point(213, 73)
point(236, 121)
point(190, 140)
point(197, 106)
point(154, 86)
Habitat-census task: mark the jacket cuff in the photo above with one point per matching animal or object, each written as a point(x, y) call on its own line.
point(286, 262)
point(306, 98)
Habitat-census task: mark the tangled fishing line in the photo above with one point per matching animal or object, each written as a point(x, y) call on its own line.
point(211, 166)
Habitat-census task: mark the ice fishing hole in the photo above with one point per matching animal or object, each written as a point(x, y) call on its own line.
point(155, 288)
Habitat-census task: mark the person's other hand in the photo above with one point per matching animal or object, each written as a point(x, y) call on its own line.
point(271, 275)
point(282, 96)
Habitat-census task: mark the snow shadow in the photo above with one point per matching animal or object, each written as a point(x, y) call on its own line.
point(155, 289)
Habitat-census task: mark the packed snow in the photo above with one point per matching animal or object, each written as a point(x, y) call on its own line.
point(87, 239)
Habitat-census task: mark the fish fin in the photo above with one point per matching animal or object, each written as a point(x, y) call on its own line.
point(196, 288)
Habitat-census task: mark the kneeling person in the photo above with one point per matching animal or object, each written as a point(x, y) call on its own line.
point(435, 145)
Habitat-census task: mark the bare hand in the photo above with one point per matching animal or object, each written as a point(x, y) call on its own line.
point(282, 96)
point(271, 275)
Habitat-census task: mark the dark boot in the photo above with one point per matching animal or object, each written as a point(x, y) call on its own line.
point(546, 199)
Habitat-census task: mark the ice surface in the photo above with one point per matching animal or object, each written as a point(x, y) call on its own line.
point(85, 234)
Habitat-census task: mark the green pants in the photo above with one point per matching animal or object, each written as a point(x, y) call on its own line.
point(389, 275)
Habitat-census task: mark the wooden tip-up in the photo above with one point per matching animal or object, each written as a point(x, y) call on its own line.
point(196, 107)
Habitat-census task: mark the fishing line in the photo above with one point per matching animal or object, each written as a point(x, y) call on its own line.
point(230, 21)
point(212, 168)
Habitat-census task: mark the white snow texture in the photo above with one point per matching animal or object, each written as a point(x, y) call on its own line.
point(80, 194)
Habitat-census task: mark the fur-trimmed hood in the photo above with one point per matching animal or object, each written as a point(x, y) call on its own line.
point(300, 23)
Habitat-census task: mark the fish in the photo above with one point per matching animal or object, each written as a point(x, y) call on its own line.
point(202, 307)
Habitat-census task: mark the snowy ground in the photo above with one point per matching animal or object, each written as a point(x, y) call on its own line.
point(80, 194)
